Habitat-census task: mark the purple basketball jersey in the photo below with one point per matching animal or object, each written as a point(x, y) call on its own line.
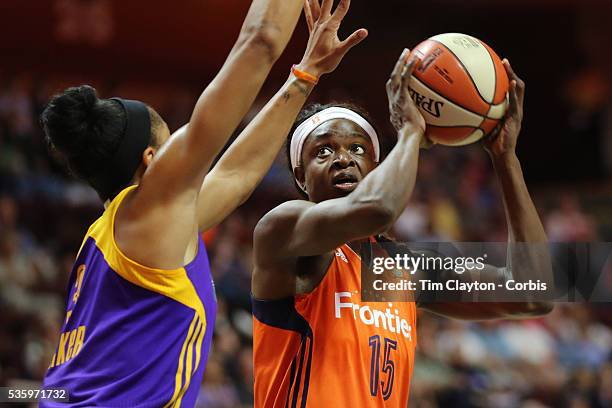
point(133, 336)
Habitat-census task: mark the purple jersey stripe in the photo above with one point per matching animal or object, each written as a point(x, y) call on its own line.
point(121, 343)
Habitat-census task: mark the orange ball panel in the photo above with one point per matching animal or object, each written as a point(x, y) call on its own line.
point(441, 71)
point(488, 125)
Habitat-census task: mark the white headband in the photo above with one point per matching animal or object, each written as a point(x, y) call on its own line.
point(310, 124)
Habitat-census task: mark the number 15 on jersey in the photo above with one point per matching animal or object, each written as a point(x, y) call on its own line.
point(388, 366)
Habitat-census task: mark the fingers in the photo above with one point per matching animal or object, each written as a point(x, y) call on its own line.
point(513, 99)
point(308, 14)
point(395, 78)
point(353, 39)
point(315, 9)
point(405, 76)
point(326, 8)
point(519, 87)
point(488, 138)
point(341, 10)
point(409, 69)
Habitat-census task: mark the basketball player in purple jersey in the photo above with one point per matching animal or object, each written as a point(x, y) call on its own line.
point(141, 305)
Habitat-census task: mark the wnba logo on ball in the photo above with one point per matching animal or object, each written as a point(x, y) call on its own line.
point(467, 42)
point(429, 105)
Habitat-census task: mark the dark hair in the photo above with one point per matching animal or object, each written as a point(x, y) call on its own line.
point(313, 109)
point(87, 130)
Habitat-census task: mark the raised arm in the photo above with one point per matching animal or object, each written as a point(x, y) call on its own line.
point(302, 228)
point(164, 204)
point(244, 164)
point(184, 160)
point(524, 262)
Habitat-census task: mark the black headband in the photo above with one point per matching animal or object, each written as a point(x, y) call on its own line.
point(128, 156)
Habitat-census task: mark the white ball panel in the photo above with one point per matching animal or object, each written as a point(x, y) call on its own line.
point(439, 111)
point(476, 59)
point(498, 111)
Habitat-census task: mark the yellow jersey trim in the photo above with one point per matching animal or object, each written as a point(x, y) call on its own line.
point(179, 372)
point(189, 371)
point(172, 283)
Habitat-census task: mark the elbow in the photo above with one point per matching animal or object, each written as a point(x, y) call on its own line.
point(262, 39)
point(244, 196)
point(242, 186)
point(380, 216)
point(387, 218)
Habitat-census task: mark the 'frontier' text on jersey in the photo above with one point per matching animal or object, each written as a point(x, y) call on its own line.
point(388, 320)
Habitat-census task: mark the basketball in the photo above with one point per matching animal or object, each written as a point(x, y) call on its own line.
point(460, 87)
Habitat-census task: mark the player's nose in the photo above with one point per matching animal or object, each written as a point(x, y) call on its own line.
point(343, 159)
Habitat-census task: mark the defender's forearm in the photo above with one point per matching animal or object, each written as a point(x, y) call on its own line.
point(252, 153)
point(250, 156)
point(269, 23)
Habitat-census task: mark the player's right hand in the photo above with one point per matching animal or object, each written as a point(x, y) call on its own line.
point(404, 113)
point(325, 50)
point(502, 141)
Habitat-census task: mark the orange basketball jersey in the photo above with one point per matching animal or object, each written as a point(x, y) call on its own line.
point(329, 349)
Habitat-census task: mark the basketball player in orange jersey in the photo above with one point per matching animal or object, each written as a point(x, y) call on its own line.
point(316, 343)
point(141, 304)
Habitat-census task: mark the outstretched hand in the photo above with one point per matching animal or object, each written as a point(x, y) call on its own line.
point(325, 50)
point(503, 139)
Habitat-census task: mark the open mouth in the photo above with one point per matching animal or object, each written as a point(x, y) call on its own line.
point(345, 181)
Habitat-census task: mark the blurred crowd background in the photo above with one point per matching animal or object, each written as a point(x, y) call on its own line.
point(166, 56)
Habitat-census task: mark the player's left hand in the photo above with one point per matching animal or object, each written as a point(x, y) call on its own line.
point(404, 113)
point(324, 50)
point(503, 139)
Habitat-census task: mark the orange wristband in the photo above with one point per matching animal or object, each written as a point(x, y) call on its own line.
point(304, 75)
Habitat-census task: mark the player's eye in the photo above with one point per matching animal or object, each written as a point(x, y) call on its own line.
point(324, 152)
point(358, 149)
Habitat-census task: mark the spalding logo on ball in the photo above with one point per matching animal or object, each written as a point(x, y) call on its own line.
point(460, 87)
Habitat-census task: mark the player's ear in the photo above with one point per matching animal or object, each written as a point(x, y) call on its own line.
point(147, 156)
point(300, 177)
